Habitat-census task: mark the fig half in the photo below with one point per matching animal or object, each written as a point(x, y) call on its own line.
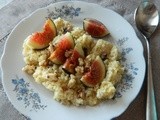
point(95, 28)
point(96, 73)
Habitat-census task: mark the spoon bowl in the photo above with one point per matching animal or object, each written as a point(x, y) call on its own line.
point(147, 18)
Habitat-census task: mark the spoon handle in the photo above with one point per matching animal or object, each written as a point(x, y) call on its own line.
point(151, 113)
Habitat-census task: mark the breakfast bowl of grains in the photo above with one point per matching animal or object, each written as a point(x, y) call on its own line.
point(70, 62)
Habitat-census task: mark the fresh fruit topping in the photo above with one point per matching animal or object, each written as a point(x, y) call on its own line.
point(50, 29)
point(72, 62)
point(95, 74)
point(65, 43)
point(40, 40)
point(58, 56)
point(95, 28)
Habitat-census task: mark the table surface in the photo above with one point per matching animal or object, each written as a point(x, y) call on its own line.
point(4, 2)
point(16, 10)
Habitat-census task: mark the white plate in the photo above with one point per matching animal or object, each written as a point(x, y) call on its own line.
point(34, 101)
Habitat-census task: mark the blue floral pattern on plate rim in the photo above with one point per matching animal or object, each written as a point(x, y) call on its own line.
point(26, 94)
point(65, 12)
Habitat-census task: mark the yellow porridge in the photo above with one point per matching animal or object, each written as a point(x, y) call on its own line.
point(77, 68)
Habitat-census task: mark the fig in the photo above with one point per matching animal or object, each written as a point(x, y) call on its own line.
point(95, 74)
point(71, 63)
point(65, 43)
point(40, 40)
point(95, 28)
point(58, 56)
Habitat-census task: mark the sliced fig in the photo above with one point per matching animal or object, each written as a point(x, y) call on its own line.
point(65, 43)
point(95, 74)
point(95, 28)
point(58, 56)
point(40, 40)
point(49, 29)
point(72, 62)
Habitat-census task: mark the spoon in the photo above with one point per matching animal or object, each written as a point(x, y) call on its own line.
point(147, 18)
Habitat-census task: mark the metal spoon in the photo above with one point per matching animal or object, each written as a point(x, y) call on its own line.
point(147, 18)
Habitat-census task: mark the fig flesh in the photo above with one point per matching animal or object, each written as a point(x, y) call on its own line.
point(95, 28)
point(65, 43)
point(58, 56)
point(95, 74)
point(71, 63)
point(40, 40)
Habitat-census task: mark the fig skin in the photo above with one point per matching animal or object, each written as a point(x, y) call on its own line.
point(65, 43)
point(72, 62)
point(40, 40)
point(95, 28)
point(96, 73)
